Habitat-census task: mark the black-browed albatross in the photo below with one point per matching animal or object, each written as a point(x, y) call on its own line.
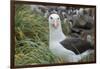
point(71, 49)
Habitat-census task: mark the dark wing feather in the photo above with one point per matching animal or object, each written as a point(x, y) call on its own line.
point(76, 45)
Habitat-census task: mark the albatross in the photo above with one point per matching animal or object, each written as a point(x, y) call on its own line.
point(71, 49)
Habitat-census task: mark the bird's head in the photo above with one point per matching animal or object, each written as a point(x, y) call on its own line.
point(54, 20)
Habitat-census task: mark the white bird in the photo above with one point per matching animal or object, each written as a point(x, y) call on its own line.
point(70, 49)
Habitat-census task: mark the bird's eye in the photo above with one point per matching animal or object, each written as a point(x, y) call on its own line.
point(51, 18)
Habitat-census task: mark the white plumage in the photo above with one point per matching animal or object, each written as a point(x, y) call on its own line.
point(56, 36)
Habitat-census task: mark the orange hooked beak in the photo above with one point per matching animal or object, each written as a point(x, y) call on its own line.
point(55, 24)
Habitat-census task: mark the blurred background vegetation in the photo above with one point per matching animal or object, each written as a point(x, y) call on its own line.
point(32, 37)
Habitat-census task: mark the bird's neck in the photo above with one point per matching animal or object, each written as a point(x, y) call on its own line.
point(56, 34)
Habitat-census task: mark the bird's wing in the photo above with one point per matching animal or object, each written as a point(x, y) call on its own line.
point(76, 45)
